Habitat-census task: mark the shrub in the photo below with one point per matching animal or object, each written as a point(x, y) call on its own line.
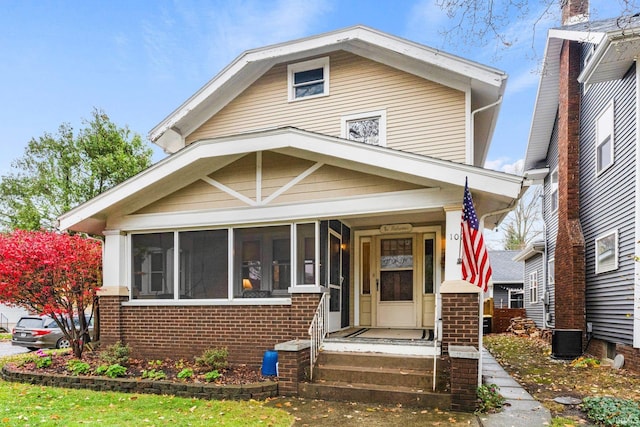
point(153, 374)
point(43, 362)
point(78, 367)
point(116, 354)
point(212, 376)
point(101, 370)
point(612, 411)
point(185, 374)
point(115, 371)
point(214, 358)
point(489, 398)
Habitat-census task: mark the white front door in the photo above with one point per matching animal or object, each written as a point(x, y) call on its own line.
point(395, 281)
point(335, 281)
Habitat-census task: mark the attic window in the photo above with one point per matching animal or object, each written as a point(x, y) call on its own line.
point(370, 128)
point(308, 79)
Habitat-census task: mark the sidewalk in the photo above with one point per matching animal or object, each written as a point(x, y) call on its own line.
point(522, 410)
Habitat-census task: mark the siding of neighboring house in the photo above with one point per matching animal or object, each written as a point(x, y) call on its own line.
point(607, 203)
point(534, 311)
point(551, 219)
point(423, 117)
point(277, 170)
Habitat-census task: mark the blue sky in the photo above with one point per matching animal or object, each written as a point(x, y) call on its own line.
point(139, 60)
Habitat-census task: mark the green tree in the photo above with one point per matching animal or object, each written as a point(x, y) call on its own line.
point(58, 172)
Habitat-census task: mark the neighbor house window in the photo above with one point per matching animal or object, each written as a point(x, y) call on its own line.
point(604, 139)
point(516, 298)
point(308, 79)
point(370, 128)
point(607, 252)
point(551, 271)
point(533, 287)
point(263, 261)
point(554, 190)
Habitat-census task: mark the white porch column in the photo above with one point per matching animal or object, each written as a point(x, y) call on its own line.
point(114, 272)
point(452, 270)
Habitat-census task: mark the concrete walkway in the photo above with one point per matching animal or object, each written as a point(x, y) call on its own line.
point(522, 409)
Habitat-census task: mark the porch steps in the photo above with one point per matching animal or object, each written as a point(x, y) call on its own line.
point(377, 378)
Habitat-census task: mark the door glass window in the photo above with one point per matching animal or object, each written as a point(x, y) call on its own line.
point(428, 266)
point(396, 269)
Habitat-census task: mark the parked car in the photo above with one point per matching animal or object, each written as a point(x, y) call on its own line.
point(34, 332)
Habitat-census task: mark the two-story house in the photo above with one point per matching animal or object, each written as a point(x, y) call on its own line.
point(584, 148)
point(317, 178)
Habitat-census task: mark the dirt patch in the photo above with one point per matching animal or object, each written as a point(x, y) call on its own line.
point(528, 361)
point(237, 374)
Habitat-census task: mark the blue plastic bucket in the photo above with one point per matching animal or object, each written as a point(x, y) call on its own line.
point(269, 363)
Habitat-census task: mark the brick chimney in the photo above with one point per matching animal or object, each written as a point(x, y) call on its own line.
point(569, 258)
point(574, 11)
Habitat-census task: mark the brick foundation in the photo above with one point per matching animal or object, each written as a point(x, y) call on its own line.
point(598, 348)
point(186, 331)
point(293, 368)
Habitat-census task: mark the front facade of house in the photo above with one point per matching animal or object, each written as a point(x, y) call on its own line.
point(584, 273)
point(333, 165)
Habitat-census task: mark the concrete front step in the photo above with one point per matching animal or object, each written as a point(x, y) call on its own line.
point(377, 360)
point(392, 395)
point(415, 378)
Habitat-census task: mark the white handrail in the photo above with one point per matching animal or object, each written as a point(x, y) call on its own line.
point(318, 329)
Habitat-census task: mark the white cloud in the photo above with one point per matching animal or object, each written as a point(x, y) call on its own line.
point(523, 82)
point(502, 164)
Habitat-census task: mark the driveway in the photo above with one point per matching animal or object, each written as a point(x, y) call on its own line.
point(6, 349)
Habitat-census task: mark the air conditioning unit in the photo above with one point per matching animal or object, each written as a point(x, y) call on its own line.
point(566, 343)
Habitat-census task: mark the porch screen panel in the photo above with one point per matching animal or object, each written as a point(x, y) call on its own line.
point(334, 273)
point(306, 254)
point(396, 269)
point(204, 264)
point(152, 262)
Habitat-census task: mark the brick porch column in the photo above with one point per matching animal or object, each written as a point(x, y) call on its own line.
point(113, 293)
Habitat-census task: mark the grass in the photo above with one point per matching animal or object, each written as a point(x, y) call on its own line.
point(23, 404)
point(529, 362)
point(5, 336)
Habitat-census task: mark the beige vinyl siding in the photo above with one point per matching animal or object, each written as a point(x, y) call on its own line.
point(277, 170)
point(422, 116)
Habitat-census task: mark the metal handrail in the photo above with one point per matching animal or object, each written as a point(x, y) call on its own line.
point(318, 329)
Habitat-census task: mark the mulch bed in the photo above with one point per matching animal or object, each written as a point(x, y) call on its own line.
point(237, 374)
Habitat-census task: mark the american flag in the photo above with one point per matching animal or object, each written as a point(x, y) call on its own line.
point(475, 260)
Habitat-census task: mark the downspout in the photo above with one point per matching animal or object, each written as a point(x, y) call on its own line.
point(473, 115)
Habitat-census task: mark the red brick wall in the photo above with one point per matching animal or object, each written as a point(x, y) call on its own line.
point(460, 320)
point(502, 318)
point(573, 8)
point(631, 355)
point(464, 375)
point(186, 331)
point(569, 258)
point(293, 367)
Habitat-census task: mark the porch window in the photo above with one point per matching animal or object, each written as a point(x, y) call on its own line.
point(263, 261)
point(152, 261)
point(306, 254)
point(204, 264)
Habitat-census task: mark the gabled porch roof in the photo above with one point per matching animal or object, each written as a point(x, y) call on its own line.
point(492, 190)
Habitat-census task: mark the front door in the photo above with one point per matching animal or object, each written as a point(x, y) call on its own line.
point(395, 281)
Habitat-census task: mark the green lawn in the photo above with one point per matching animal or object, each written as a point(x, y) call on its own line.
point(23, 404)
point(5, 336)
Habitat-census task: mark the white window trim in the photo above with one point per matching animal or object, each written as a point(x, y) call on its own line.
point(514, 292)
point(615, 253)
point(533, 290)
point(382, 126)
point(554, 189)
point(551, 274)
point(609, 107)
point(306, 66)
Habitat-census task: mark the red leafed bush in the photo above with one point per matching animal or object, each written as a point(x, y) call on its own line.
point(52, 273)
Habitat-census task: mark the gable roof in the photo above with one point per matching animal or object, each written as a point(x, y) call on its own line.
point(504, 268)
point(486, 84)
point(492, 190)
point(618, 43)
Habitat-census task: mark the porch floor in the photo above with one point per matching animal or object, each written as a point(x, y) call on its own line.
point(418, 342)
